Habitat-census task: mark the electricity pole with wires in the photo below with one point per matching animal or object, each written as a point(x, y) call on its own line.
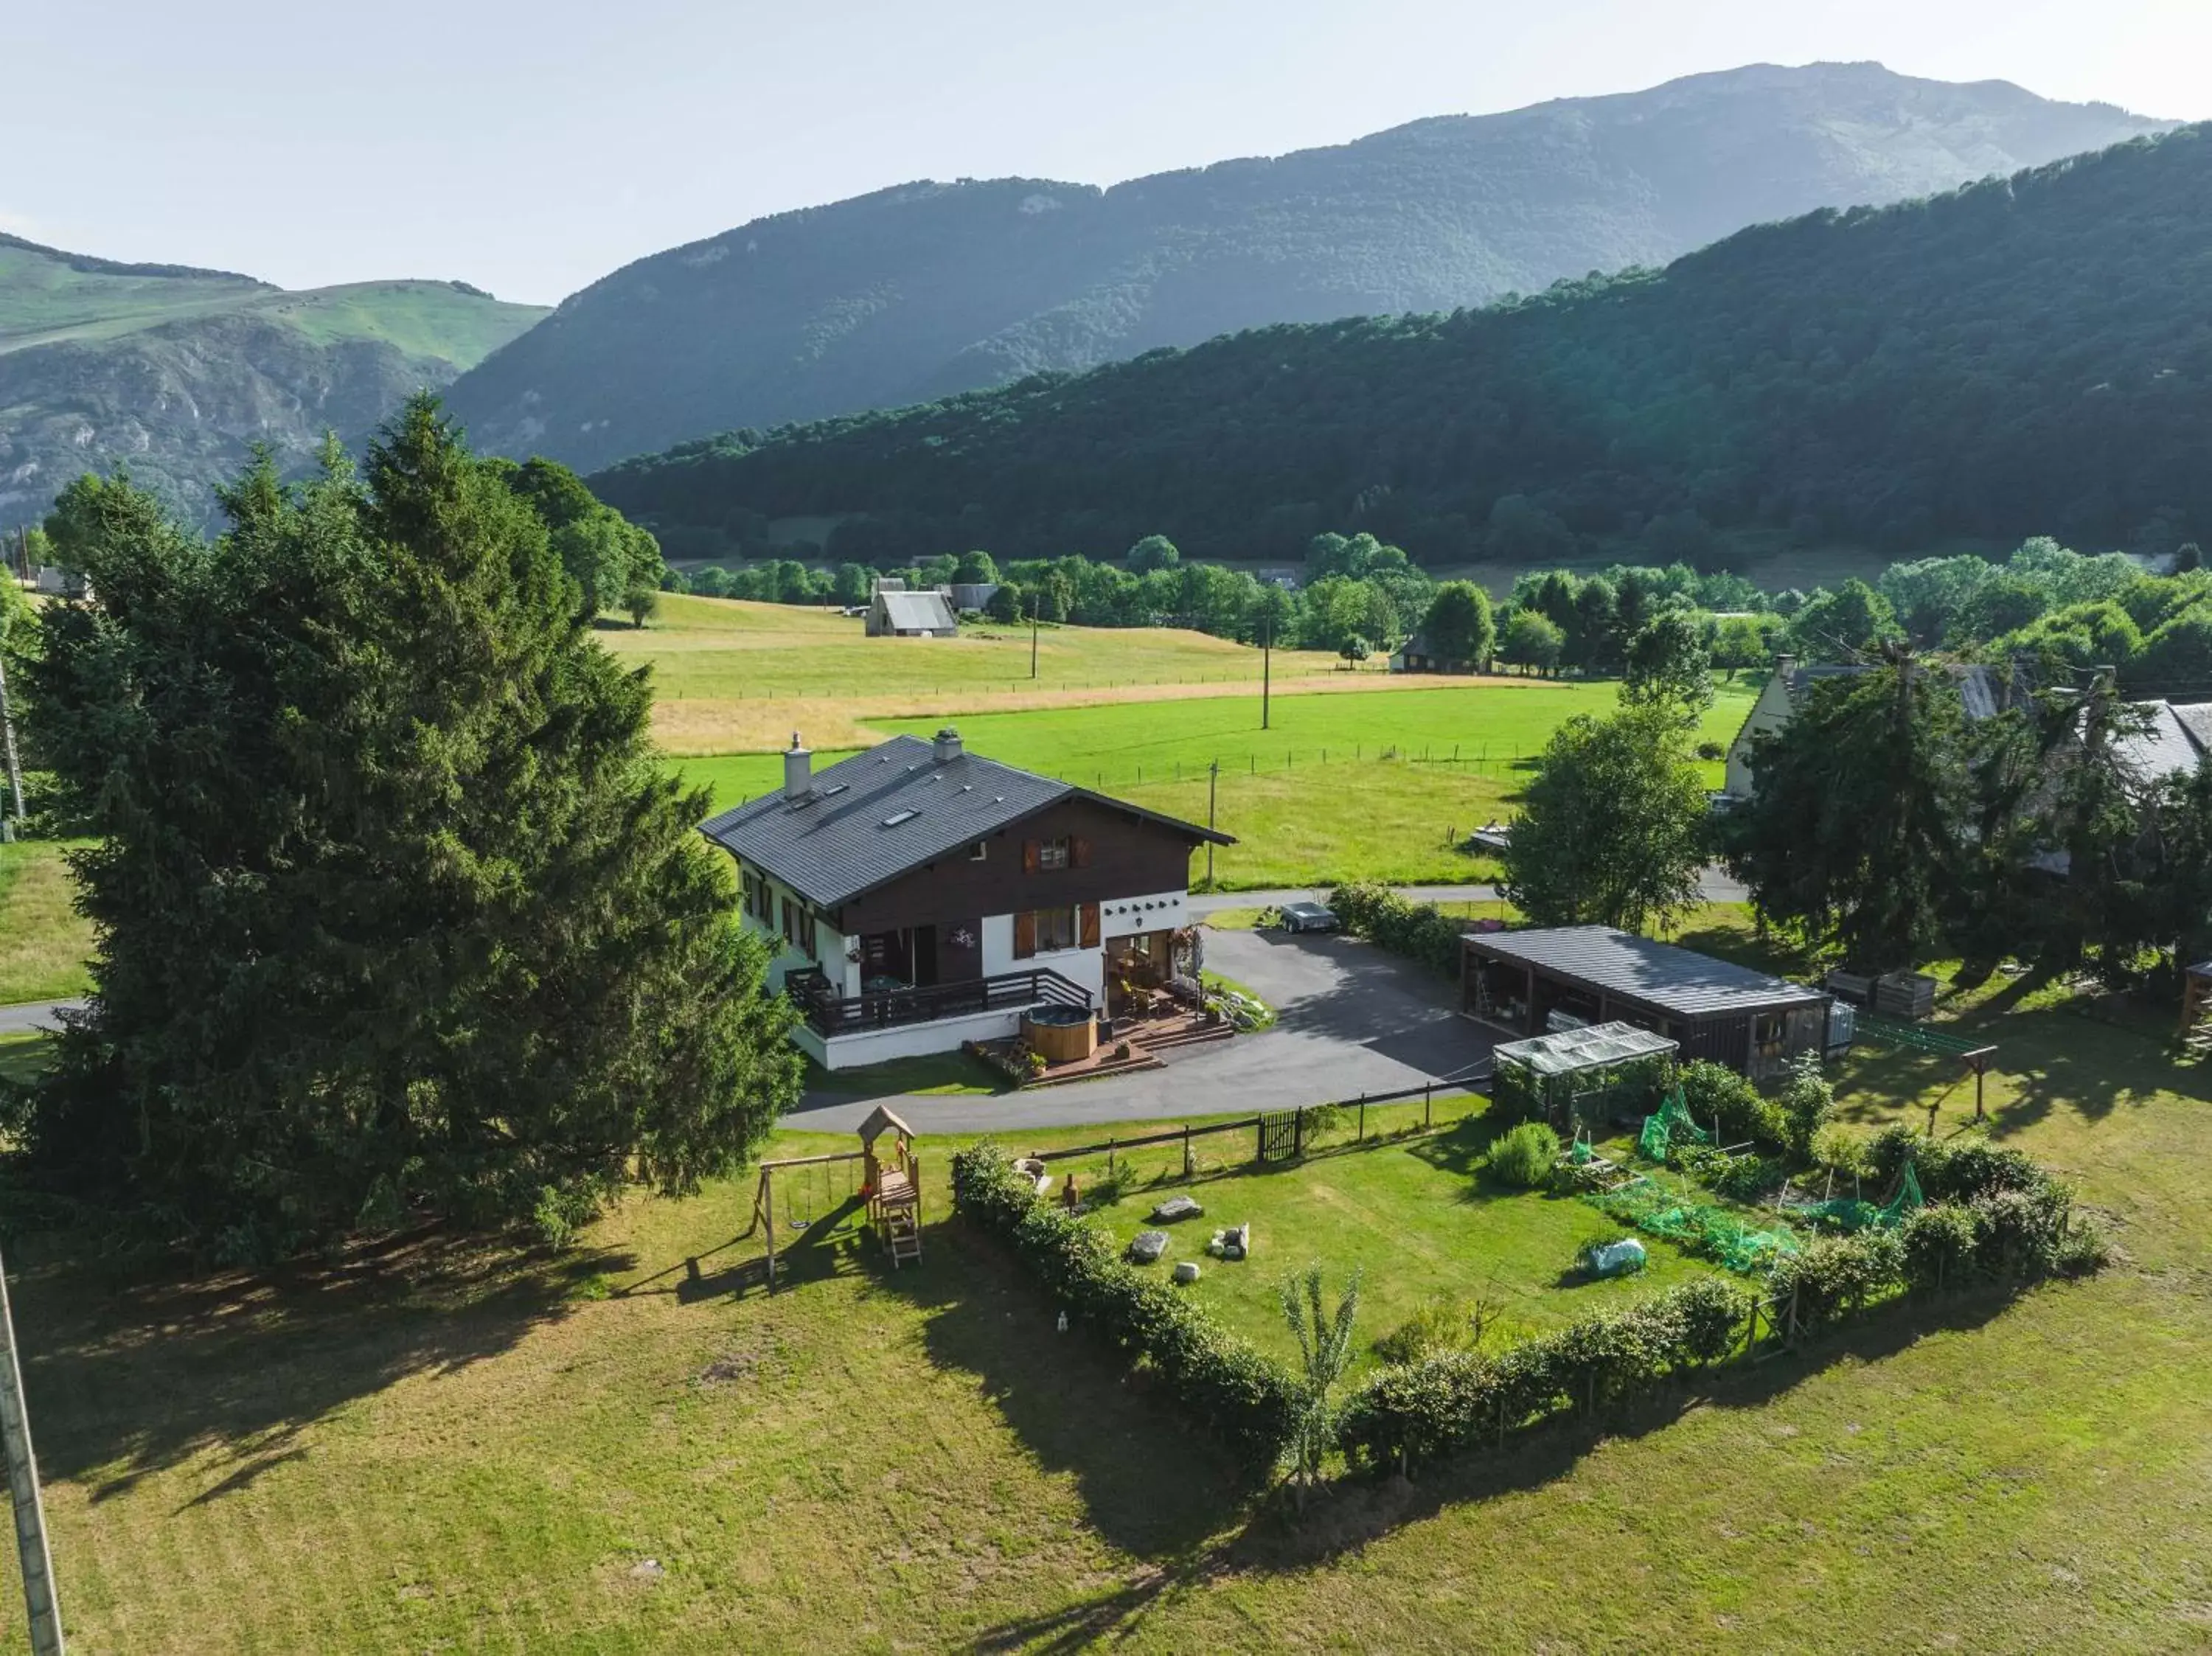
point(38, 1563)
point(1212, 781)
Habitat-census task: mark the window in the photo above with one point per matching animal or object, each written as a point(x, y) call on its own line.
point(975, 851)
point(1042, 930)
point(1050, 856)
point(1768, 1031)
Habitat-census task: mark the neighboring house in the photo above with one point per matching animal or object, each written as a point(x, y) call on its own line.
point(1532, 983)
point(893, 613)
point(58, 583)
point(919, 896)
point(1984, 691)
point(1414, 656)
point(971, 595)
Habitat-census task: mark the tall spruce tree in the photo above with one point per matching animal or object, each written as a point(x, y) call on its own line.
point(397, 915)
point(1854, 833)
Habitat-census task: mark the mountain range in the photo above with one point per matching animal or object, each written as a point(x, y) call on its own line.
point(174, 373)
point(2024, 355)
point(913, 293)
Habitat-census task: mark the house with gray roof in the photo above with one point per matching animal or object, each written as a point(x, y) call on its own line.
point(918, 896)
point(1984, 691)
point(894, 613)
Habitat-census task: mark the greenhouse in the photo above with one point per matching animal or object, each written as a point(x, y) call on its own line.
point(1583, 1078)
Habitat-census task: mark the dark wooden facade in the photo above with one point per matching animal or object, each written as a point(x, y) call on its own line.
point(1111, 854)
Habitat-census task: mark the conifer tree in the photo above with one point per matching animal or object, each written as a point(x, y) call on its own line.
point(399, 915)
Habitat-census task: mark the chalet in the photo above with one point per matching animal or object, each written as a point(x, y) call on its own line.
point(919, 896)
point(1539, 982)
point(1984, 691)
point(1414, 656)
point(893, 613)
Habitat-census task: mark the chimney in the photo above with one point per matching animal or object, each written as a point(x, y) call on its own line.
point(797, 772)
point(947, 745)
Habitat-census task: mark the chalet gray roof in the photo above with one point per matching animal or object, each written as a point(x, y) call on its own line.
point(926, 612)
point(1678, 980)
point(873, 817)
point(1984, 691)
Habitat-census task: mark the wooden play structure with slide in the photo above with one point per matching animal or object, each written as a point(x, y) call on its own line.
point(891, 1184)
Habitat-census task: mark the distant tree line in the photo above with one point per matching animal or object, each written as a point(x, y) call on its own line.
point(2020, 356)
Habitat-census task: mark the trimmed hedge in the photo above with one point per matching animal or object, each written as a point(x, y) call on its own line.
point(1461, 1400)
point(1419, 931)
point(1713, 1092)
point(1247, 1400)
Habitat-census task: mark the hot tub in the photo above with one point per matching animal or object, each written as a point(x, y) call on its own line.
point(1062, 1034)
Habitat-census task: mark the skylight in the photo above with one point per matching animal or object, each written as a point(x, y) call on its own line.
point(898, 817)
point(835, 788)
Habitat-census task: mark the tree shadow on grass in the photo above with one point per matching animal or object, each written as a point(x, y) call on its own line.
point(1275, 1538)
point(127, 1379)
point(1151, 1484)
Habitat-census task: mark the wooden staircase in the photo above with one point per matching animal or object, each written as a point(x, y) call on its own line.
point(2196, 1039)
point(897, 1205)
point(901, 1235)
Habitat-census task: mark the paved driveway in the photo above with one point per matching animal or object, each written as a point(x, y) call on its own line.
point(1350, 1019)
point(28, 1014)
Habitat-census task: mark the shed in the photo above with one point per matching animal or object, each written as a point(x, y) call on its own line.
point(895, 614)
point(1535, 982)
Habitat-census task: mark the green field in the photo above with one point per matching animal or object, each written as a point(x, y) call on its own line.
point(446, 1446)
point(44, 941)
point(1311, 800)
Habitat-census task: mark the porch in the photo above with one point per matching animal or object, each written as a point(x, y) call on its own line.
point(830, 1014)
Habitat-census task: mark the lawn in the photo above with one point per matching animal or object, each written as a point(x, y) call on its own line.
point(1414, 1215)
point(1375, 786)
point(448, 1446)
point(44, 941)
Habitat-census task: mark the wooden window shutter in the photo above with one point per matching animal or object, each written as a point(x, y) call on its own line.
point(1078, 853)
point(1029, 856)
point(1025, 929)
point(1090, 922)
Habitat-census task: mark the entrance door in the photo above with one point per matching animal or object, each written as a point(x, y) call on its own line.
point(925, 957)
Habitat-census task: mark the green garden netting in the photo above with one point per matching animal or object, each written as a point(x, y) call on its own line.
point(1700, 1226)
point(1849, 1213)
point(1673, 1117)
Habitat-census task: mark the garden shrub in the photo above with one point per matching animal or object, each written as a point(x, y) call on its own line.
point(1832, 1275)
point(1420, 931)
point(1523, 1157)
point(1440, 1325)
point(1516, 1095)
point(1458, 1400)
point(1713, 1092)
point(1939, 1245)
point(1247, 1399)
point(1807, 1102)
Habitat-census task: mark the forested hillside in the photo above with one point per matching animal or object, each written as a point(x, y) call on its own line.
point(2025, 356)
point(174, 371)
point(932, 289)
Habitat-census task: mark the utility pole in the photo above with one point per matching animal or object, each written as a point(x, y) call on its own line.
point(7, 744)
point(1267, 674)
point(1212, 781)
point(38, 1595)
point(1032, 644)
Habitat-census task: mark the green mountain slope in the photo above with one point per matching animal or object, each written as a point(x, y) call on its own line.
point(175, 372)
point(929, 289)
point(2024, 355)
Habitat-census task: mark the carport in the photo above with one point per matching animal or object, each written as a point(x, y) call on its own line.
point(1531, 983)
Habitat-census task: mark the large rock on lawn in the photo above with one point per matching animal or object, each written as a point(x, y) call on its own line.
point(1174, 1208)
point(1147, 1246)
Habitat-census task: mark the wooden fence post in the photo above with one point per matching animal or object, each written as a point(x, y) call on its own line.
point(1186, 1149)
point(1360, 1135)
point(1428, 1089)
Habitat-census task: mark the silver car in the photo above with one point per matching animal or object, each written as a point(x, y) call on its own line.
point(1308, 917)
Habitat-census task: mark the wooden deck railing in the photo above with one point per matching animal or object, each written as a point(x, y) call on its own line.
point(832, 1014)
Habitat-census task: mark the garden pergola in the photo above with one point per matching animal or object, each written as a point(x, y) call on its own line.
point(1582, 1076)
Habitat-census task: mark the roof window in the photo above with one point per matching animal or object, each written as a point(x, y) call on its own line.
point(898, 817)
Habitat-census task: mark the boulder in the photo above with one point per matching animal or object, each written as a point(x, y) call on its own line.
point(1236, 1241)
point(1174, 1208)
point(1186, 1270)
point(1147, 1246)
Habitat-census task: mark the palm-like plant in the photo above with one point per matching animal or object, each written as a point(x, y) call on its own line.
point(1324, 1353)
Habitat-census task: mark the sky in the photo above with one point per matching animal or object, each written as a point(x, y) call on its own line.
point(532, 147)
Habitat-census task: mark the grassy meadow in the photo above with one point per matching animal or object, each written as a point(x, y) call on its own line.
point(1382, 785)
point(44, 941)
point(441, 1445)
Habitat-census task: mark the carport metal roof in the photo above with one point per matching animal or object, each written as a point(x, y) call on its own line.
point(1657, 974)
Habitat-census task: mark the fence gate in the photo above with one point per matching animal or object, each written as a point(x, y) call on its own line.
point(1282, 1135)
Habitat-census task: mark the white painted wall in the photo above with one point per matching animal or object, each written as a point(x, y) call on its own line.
point(1084, 966)
point(1156, 911)
point(909, 1040)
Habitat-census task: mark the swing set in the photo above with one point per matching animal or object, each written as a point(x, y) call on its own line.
point(891, 1187)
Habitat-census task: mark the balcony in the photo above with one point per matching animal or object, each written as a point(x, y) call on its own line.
point(830, 1014)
